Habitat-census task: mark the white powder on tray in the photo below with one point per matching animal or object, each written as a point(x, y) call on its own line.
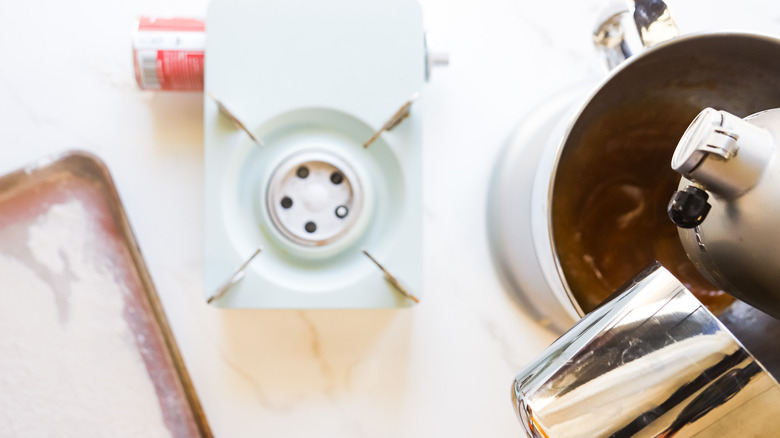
point(69, 365)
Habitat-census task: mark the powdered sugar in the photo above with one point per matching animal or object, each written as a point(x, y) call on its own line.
point(69, 365)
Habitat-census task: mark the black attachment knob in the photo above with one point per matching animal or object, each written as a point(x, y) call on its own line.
point(689, 207)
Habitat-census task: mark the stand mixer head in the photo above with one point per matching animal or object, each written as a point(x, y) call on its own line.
point(727, 207)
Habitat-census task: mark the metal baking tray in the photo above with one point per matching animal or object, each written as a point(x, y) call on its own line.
point(27, 194)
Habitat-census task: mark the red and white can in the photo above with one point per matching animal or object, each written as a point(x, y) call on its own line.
point(168, 53)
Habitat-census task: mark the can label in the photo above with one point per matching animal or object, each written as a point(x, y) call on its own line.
point(168, 53)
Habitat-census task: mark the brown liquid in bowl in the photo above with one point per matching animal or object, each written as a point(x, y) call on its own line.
point(609, 205)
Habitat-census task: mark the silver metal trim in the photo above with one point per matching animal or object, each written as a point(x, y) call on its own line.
point(236, 277)
point(235, 120)
point(399, 116)
point(392, 279)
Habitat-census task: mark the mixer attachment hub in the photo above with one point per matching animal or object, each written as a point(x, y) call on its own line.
point(314, 198)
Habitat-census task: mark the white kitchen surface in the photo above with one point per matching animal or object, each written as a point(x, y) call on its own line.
point(443, 368)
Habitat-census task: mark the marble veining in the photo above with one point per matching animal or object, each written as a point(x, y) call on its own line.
point(443, 368)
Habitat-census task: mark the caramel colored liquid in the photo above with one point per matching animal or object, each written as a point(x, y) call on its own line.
point(609, 206)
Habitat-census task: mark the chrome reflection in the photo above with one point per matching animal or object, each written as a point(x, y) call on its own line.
point(652, 362)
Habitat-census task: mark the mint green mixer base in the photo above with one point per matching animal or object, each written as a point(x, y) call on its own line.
point(307, 75)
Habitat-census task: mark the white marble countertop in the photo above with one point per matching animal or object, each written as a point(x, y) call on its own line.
point(443, 368)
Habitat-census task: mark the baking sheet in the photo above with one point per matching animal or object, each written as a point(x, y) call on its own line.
point(77, 178)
